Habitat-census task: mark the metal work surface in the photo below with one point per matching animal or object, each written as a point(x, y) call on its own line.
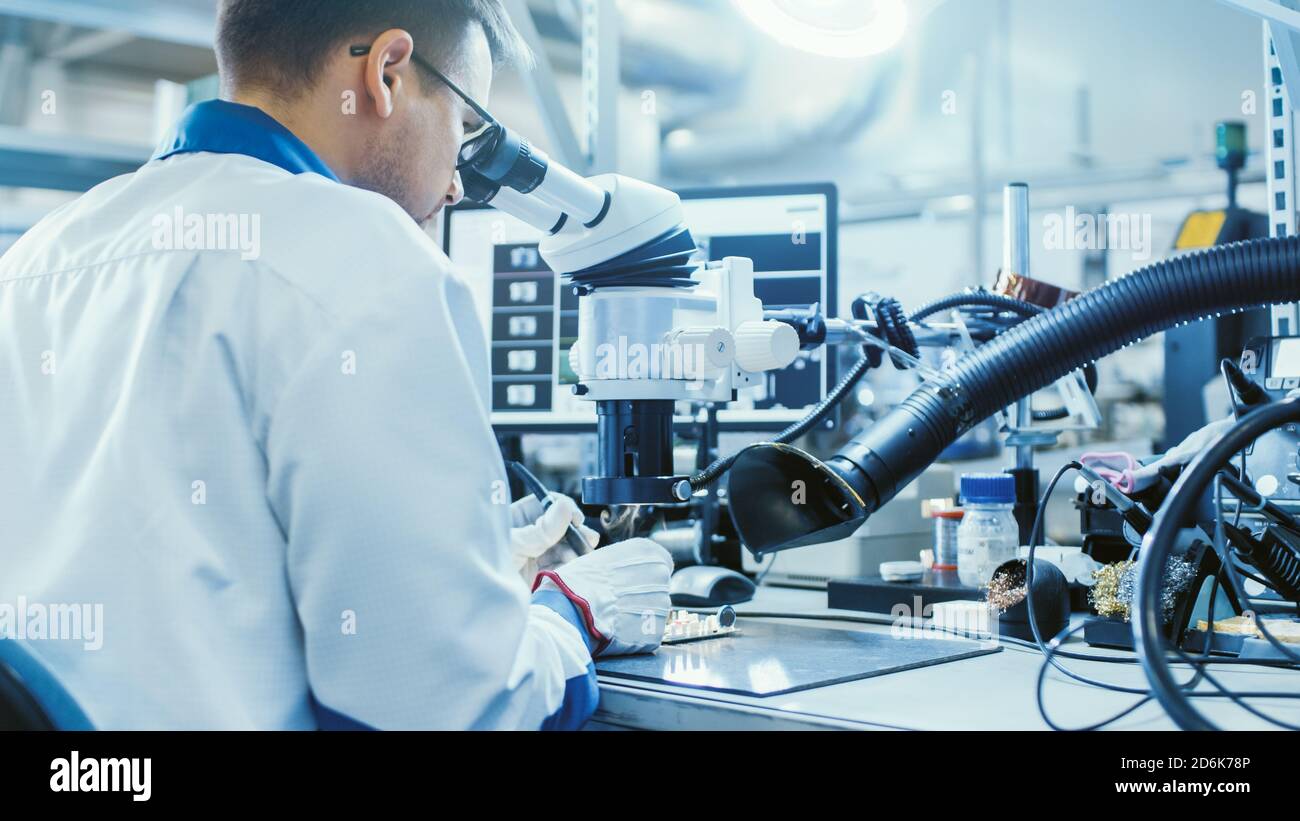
point(769, 658)
point(989, 692)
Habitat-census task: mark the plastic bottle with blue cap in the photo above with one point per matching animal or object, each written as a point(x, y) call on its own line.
point(988, 535)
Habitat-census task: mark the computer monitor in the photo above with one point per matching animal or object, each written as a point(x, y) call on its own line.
point(531, 316)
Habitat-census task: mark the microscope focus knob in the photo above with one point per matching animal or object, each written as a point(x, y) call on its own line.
point(575, 360)
point(765, 346)
point(715, 346)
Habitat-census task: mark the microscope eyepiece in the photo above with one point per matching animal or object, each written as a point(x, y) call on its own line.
point(478, 188)
point(505, 157)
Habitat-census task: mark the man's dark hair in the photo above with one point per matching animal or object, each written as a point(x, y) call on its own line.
point(282, 45)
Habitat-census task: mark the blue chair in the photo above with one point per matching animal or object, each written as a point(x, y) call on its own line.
point(31, 698)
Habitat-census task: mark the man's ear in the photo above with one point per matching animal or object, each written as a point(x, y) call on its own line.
point(386, 68)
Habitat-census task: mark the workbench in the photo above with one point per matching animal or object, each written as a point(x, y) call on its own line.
point(988, 692)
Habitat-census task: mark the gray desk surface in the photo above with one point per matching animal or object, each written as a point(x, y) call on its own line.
point(992, 692)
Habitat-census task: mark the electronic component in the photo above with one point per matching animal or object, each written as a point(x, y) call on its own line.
point(687, 625)
point(1284, 630)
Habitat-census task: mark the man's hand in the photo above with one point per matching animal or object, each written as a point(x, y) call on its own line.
point(621, 592)
point(537, 536)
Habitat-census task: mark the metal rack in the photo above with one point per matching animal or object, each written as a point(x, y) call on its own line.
point(1281, 29)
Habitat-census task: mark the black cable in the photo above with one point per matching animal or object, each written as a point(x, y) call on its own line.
point(1039, 690)
point(1180, 507)
point(1278, 562)
point(1224, 364)
point(1221, 692)
point(1228, 370)
point(1237, 554)
point(892, 326)
point(1230, 567)
point(1236, 698)
point(1003, 304)
point(1042, 706)
point(722, 464)
point(1050, 651)
point(1057, 414)
point(763, 574)
point(1034, 535)
point(1243, 391)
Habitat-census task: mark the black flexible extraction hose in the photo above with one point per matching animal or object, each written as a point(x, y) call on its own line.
point(1227, 278)
point(1004, 304)
point(892, 327)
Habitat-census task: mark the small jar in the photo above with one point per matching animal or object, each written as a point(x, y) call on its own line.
point(988, 534)
point(946, 523)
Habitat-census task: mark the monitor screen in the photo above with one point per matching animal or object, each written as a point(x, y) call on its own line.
point(531, 316)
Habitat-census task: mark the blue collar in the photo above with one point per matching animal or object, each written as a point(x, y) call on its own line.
point(223, 127)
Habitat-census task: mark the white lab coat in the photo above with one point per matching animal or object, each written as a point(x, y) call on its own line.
point(276, 474)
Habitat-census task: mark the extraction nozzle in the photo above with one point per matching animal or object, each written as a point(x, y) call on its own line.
point(781, 497)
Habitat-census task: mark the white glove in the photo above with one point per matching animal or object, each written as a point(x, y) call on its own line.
point(1183, 453)
point(621, 592)
point(537, 536)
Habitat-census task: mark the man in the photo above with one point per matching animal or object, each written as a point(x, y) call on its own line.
point(244, 411)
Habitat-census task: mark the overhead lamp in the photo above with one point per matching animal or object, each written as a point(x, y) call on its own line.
point(830, 28)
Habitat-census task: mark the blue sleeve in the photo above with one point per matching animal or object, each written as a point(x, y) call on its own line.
point(39, 682)
point(581, 693)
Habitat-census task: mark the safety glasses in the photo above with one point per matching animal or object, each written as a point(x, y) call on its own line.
point(482, 138)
